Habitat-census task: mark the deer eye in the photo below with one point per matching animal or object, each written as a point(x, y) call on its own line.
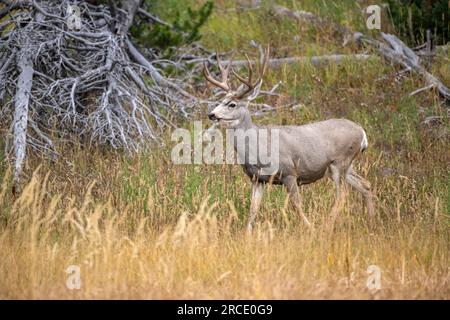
point(231, 105)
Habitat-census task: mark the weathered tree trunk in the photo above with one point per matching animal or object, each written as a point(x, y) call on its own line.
point(22, 99)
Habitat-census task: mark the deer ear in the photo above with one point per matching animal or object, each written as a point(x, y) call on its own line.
point(255, 92)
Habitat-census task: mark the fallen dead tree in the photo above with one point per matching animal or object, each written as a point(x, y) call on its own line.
point(57, 81)
point(393, 49)
point(277, 62)
point(397, 52)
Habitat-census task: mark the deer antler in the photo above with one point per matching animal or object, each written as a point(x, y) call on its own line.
point(224, 74)
point(251, 85)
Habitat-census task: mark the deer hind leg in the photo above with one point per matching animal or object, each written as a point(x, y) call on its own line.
point(257, 194)
point(335, 175)
point(290, 183)
point(363, 186)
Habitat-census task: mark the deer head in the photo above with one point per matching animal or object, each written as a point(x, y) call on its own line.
point(232, 110)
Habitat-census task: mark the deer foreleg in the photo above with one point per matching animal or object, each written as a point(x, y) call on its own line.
point(257, 194)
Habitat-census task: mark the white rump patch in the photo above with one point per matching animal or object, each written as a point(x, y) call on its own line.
point(364, 142)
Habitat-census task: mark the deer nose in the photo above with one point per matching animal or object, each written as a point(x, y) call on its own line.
point(212, 116)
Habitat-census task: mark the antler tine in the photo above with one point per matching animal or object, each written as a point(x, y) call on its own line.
point(263, 66)
point(265, 62)
point(224, 74)
point(251, 85)
point(248, 82)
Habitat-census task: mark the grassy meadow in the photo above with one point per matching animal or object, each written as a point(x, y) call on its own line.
point(142, 227)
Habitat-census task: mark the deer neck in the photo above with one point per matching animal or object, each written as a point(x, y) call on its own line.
point(246, 122)
point(245, 125)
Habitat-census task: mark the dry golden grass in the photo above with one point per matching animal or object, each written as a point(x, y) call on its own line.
point(127, 251)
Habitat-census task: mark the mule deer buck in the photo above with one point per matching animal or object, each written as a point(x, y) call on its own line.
point(307, 152)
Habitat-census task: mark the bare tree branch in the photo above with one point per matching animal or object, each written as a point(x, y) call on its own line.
point(153, 18)
point(83, 84)
point(130, 8)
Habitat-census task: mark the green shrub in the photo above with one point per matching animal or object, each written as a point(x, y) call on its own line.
point(184, 29)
